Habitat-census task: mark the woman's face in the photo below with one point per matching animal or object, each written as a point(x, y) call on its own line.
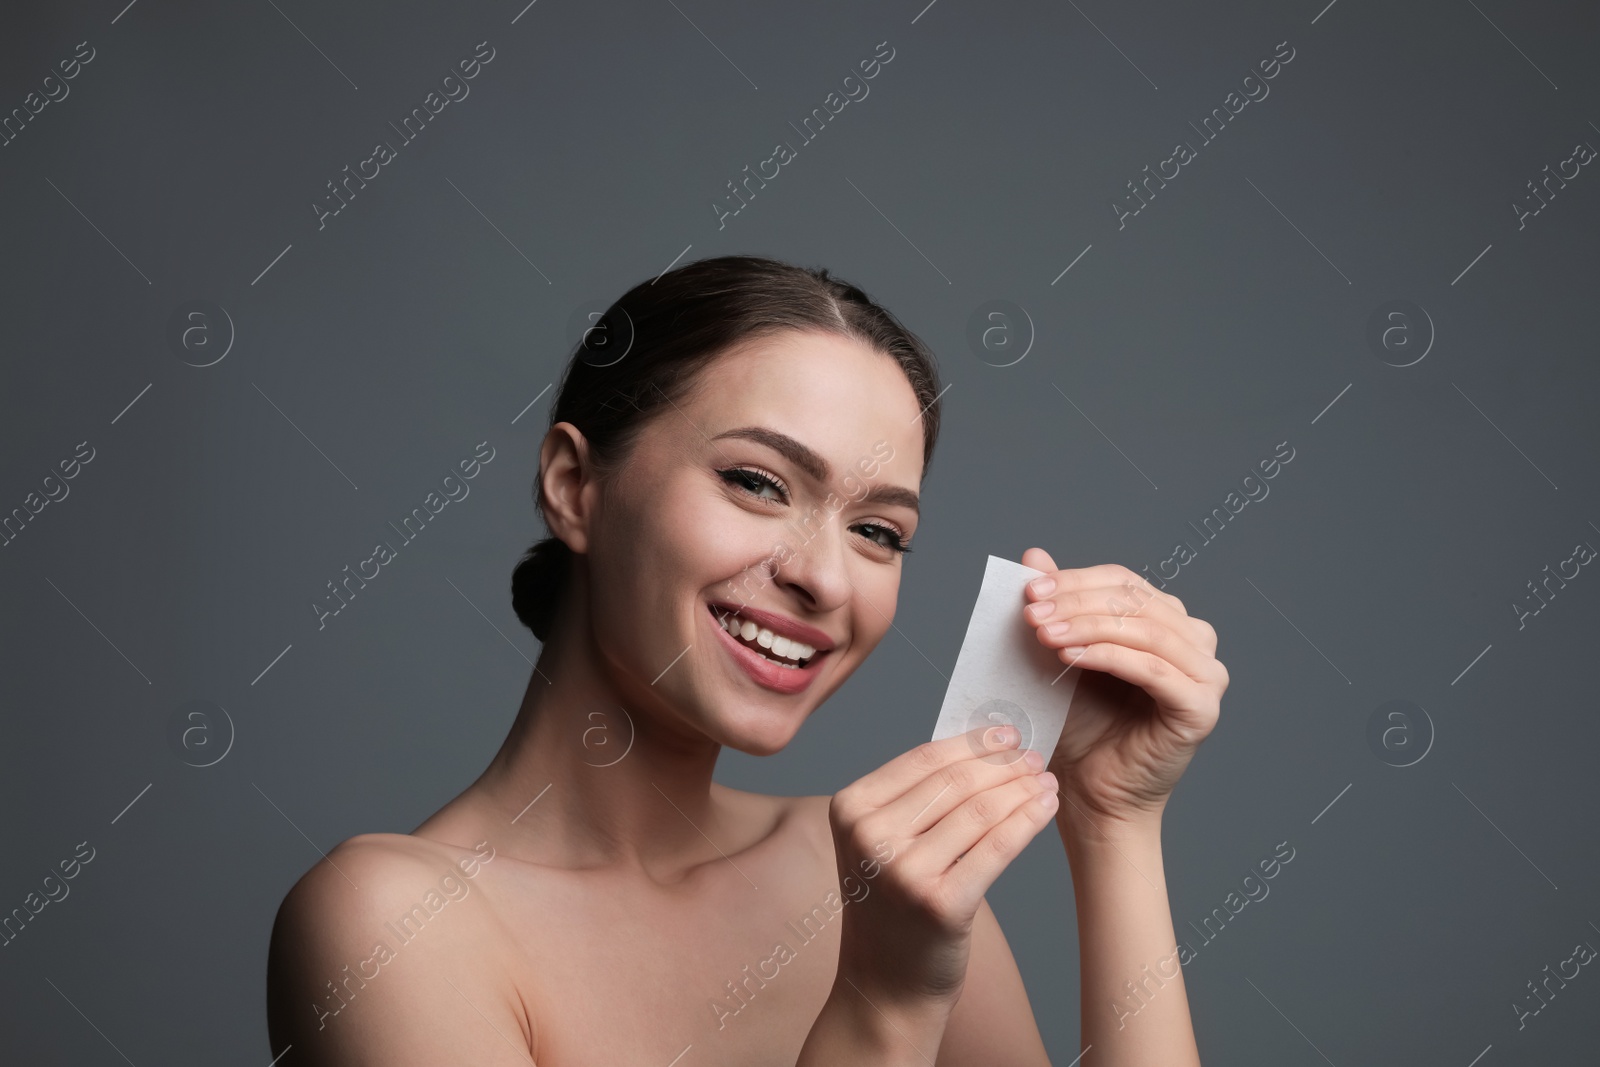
point(774, 493)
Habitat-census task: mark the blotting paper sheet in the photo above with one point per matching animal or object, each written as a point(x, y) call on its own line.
point(1003, 675)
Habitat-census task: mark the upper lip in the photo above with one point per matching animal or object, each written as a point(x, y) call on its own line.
point(778, 624)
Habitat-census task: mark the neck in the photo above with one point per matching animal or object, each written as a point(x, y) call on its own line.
point(598, 773)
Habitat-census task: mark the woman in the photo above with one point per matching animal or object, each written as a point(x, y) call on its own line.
point(737, 446)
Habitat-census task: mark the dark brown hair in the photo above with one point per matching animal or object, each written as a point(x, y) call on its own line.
point(645, 352)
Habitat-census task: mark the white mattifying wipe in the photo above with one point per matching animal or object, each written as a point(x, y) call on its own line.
point(1003, 674)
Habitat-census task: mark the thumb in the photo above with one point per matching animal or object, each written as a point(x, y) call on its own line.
point(1039, 560)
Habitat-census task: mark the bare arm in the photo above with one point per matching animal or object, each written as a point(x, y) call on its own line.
point(1149, 693)
point(855, 1029)
point(1134, 1008)
point(991, 1025)
point(919, 841)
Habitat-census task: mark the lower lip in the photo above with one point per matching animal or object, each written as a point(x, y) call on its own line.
point(765, 672)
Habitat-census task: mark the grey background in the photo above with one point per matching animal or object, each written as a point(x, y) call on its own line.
point(1228, 316)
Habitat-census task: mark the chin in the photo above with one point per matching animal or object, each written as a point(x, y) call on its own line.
point(758, 733)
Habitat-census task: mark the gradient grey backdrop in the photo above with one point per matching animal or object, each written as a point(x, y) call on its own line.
point(1231, 314)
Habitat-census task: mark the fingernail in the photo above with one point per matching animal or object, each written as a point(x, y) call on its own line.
point(1043, 586)
point(1047, 780)
point(1034, 760)
point(1000, 735)
point(1058, 629)
point(1042, 610)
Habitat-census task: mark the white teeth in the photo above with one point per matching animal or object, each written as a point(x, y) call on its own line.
point(780, 645)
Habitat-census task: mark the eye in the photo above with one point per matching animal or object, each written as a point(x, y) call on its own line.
point(895, 541)
point(752, 481)
point(744, 478)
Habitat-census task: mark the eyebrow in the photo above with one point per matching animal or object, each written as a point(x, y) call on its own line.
point(817, 467)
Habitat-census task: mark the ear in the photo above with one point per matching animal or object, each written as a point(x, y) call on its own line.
point(1039, 560)
point(567, 478)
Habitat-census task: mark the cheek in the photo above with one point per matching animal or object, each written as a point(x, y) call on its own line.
point(641, 557)
point(662, 552)
point(875, 612)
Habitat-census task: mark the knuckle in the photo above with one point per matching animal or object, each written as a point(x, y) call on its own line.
point(866, 833)
point(982, 809)
point(1000, 841)
point(926, 898)
point(960, 777)
point(925, 757)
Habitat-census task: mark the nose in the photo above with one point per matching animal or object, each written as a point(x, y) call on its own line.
point(814, 569)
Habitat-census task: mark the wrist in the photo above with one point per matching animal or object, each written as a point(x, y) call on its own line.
point(1085, 830)
point(881, 1029)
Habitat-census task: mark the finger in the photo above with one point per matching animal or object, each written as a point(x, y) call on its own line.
point(1078, 579)
point(1120, 601)
point(895, 778)
point(965, 883)
point(932, 853)
point(1039, 560)
point(1196, 704)
point(928, 802)
point(1149, 635)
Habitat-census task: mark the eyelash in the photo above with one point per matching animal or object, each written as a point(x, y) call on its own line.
point(732, 475)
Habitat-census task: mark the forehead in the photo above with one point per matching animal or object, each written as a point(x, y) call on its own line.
point(834, 394)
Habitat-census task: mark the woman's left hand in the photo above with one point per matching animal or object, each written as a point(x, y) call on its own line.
point(1151, 689)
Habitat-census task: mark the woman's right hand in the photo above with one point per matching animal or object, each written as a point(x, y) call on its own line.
point(928, 833)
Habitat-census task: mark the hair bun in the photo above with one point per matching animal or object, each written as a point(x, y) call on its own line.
point(536, 584)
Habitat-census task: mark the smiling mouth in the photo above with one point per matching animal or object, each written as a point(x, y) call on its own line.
point(794, 655)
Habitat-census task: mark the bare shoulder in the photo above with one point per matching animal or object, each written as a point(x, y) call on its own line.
point(366, 874)
point(367, 944)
